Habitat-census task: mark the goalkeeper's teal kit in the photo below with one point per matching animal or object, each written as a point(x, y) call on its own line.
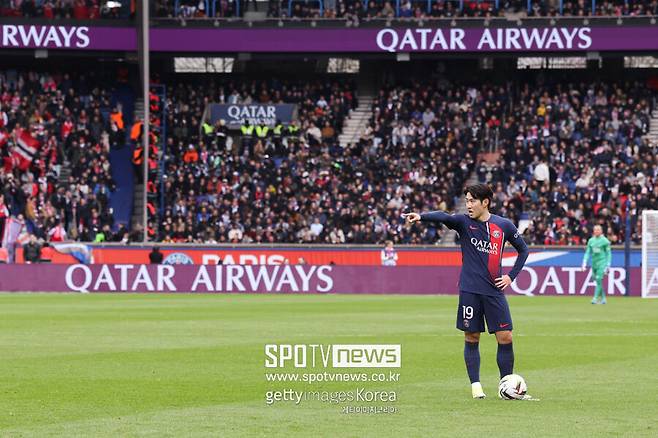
point(599, 249)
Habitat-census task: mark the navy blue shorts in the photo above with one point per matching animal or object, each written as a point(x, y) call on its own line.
point(475, 308)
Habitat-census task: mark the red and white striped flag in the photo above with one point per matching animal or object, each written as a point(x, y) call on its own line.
point(25, 149)
point(4, 137)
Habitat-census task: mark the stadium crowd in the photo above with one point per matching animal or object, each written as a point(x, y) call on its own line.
point(46, 120)
point(352, 10)
point(568, 156)
point(66, 9)
point(357, 10)
point(572, 155)
point(261, 188)
point(584, 9)
point(300, 185)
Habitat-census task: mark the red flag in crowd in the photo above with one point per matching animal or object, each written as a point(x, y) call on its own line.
point(3, 138)
point(25, 149)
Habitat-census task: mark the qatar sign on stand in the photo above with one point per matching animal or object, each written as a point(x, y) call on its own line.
point(255, 114)
point(538, 280)
point(335, 40)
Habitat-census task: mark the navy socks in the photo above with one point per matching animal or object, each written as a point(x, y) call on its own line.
point(472, 359)
point(505, 359)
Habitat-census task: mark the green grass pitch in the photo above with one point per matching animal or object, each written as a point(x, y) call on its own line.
point(193, 365)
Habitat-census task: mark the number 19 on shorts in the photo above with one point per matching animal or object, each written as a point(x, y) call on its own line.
point(467, 312)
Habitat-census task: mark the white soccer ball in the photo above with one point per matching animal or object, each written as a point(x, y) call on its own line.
point(512, 387)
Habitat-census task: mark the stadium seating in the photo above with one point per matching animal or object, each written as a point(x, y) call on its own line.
point(569, 154)
point(356, 10)
point(561, 156)
point(561, 159)
point(329, 9)
point(247, 191)
point(47, 120)
point(71, 10)
point(572, 155)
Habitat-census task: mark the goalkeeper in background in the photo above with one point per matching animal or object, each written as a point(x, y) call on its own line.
point(598, 247)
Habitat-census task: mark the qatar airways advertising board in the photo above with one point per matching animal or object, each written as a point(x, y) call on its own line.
point(335, 40)
point(296, 279)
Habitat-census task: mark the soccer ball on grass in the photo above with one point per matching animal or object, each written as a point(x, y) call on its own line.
point(512, 387)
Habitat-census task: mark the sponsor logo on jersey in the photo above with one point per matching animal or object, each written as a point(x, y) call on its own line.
point(484, 246)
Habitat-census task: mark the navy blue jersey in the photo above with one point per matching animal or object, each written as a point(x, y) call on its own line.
point(482, 249)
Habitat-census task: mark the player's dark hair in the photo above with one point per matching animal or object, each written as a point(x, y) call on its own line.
point(481, 192)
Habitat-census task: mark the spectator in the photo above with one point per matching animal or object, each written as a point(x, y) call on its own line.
point(47, 253)
point(32, 250)
point(155, 256)
point(57, 233)
point(541, 173)
point(316, 228)
point(388, 255)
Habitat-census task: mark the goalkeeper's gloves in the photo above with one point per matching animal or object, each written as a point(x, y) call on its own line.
point(583, 267)
point(607, 269)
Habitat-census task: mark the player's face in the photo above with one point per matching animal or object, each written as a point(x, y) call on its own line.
point(475, 207)
point(598, 231)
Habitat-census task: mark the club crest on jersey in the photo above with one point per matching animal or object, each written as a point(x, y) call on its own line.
point(496, 234)
point(484, 246)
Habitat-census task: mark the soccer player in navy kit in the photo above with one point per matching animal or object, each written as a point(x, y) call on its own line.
point(482, 236)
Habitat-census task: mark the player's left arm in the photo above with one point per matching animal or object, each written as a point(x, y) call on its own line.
point(608, 256)
point(514, 237)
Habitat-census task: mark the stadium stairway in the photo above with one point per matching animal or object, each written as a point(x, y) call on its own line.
point(64, 173)
point(653, 129)
point(121, 160)
point(138, 189)
point(358, 118)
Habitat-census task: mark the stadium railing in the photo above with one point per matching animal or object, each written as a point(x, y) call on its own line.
point(463, 22)
point(211, 6)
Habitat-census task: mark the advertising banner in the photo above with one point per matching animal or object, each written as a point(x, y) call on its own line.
point(26, 36)
point(417, 39)
point(257, 114)
point(257, 255)
point(295, 279)
point(336, 40)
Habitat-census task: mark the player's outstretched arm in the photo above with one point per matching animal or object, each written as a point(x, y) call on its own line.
point(451, 221)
